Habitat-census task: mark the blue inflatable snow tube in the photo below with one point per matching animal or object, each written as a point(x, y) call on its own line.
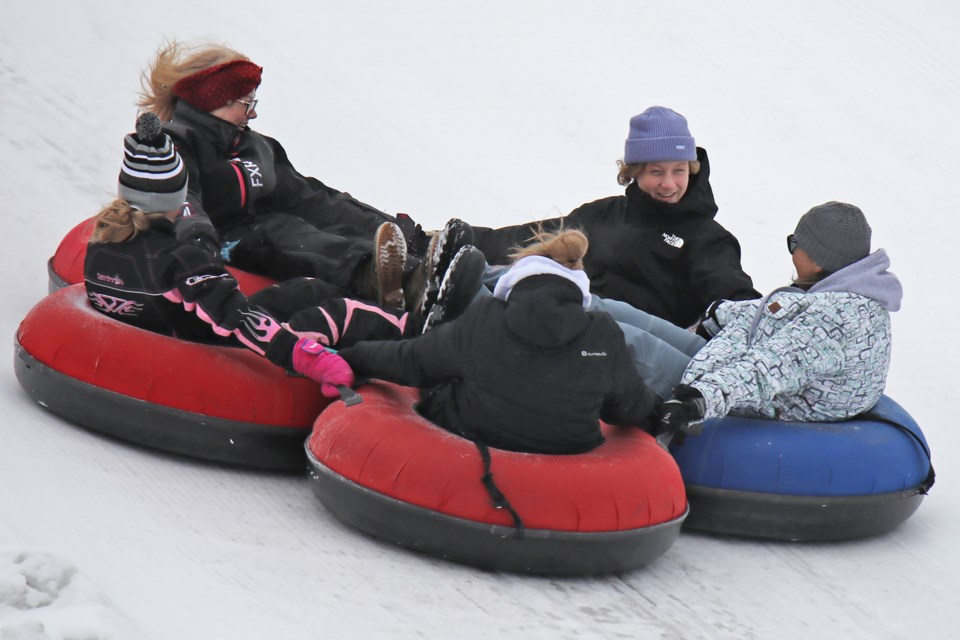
point(806, 481)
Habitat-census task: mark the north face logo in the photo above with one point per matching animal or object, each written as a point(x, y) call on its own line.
point(672, 240)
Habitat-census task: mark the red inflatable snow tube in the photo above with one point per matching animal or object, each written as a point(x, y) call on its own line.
point(214, 402)
point(382, 468)
point(66, 265)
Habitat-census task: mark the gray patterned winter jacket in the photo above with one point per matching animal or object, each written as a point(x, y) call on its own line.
point(813, 356)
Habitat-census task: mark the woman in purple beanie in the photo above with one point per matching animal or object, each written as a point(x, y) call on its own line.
point(657, 247)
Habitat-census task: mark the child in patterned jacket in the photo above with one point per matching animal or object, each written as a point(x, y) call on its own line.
point(818, 350)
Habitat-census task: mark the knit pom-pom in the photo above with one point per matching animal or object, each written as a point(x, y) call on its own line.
point(148, 127)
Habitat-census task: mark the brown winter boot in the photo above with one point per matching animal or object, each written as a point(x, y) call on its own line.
point(389, 257)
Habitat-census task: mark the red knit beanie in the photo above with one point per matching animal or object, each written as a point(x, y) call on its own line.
point(215, 86)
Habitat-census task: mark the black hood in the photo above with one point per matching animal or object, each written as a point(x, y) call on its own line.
point(697, 201)
point(546, 311)
point(225, 136)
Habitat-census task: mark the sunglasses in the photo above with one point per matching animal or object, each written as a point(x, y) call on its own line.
point(250, 104)
point(791, 243)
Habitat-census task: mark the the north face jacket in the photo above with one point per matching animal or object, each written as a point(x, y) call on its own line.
point(670, 260)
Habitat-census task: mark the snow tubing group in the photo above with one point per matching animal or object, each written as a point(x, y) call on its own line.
point(806, 481)
point(385, 470)
point(213, 402)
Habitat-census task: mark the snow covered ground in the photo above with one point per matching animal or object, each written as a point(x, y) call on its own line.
point(496, 112)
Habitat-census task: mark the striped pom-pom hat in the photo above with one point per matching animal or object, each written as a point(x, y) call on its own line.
point(153, 177)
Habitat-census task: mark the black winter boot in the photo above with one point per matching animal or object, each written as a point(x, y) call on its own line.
point(424, 284)
point(459, 287)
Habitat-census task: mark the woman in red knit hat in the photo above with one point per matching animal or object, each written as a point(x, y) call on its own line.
point(248, 199)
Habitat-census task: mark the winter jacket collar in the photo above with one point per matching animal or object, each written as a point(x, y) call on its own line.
point(539, 265)
point(223, 135)
point(868, 277)
point(697, 201)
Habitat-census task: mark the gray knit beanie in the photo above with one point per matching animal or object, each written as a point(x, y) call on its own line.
point(659, 135)
point(834, 235)
point(153, 177)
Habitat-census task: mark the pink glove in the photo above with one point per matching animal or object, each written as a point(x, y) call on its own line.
point(321, 365)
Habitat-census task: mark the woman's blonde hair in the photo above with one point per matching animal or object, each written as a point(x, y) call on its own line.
point(174, 62)
point(119, 221)
point(564, 246)
point(629, 172)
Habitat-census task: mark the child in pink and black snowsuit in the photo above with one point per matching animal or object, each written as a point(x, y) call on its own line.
point(137, 272)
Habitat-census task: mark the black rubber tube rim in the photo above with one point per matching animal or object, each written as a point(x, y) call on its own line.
point(168, 429)
point(483, 545)
point(798, 518)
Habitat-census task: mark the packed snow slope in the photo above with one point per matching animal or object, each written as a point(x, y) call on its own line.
point(496, 112)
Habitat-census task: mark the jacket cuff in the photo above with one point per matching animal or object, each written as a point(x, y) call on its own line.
point(714, 402)
point(280, 350)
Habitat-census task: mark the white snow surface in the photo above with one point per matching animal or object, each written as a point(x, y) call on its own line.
point(496, 112)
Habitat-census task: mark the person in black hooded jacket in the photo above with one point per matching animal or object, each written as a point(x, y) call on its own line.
point(248, 201)
point(528, 369)
point(658, 246)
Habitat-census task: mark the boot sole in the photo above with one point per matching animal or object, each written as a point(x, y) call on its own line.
point(443, 248)
point(460, 284)
point(390, 253)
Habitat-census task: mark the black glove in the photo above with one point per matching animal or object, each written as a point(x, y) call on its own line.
point(683, 414)
point(198, 230)
point(708, 325)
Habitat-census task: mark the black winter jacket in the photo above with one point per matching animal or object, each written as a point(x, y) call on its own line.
point(158, 283)
point(671, 260)
point(236, 175)
point(533, 374)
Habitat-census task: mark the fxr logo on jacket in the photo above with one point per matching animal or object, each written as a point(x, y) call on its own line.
point(116, 306)
point(253, 170)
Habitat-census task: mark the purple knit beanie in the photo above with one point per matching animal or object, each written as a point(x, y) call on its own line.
point(659, 135)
